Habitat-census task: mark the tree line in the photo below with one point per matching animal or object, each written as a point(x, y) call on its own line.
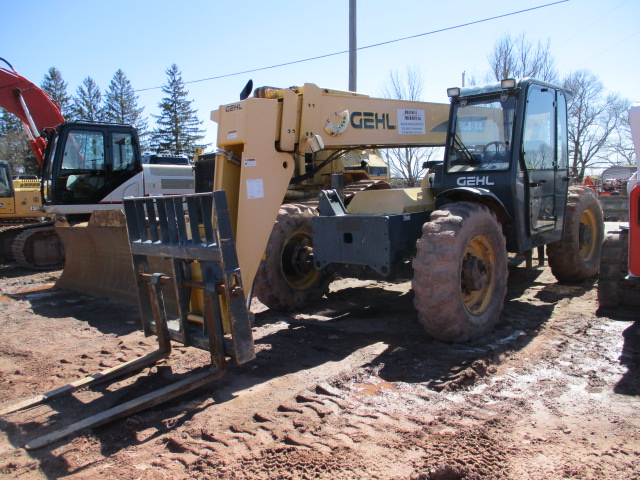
point(598, 121)
point(599, 132)
point(177, 126)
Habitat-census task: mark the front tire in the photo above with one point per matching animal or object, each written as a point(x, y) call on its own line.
point(576, 256)
point(460, 272)
point(286, 279)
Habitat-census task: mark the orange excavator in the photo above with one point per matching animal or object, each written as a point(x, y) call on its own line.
point(26, 234)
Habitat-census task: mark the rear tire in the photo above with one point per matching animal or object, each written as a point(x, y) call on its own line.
point(286, 279)
point(576, 256)
point(613, 288)
point(460, 272)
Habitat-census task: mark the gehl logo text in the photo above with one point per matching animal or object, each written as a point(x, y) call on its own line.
point(475, 181)
point(371, 121)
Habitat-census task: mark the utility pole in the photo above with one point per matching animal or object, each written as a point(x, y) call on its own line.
point(353, 48)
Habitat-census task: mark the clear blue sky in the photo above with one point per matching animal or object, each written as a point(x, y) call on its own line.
point(209, 38)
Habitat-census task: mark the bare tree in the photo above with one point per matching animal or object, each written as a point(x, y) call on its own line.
point(619, 146)
point(593, 117)
point(519, 57)
point(405, 164)
point(597, 134)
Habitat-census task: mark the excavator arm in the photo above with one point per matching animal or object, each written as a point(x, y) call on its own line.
point(35, 109)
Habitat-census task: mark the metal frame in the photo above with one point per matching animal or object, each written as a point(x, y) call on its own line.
point(195, 232)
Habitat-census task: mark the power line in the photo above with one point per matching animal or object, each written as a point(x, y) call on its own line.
point(445, 29)
point(609, 48)
point(588, 27)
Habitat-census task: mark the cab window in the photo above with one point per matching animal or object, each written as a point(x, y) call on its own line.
point(5, 182)
point(84, 150)
point(538, 142)
point(123, 151)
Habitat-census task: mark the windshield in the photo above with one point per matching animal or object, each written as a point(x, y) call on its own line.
point(5, 181)
point(481, 135)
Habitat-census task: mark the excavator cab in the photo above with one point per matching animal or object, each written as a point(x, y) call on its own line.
point(84, 162)
point(6, 184)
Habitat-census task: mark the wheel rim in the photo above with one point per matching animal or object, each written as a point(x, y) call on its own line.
point(296, 262)
point(477, 275)
point(587, 234)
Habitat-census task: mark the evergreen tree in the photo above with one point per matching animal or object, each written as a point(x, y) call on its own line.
point(121, 105)
point(14, 145)
point(87, 104)
point(56, 87)
point(9, 122)
point(177, 125)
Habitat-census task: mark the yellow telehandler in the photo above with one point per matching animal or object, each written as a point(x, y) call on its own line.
point(502, 186)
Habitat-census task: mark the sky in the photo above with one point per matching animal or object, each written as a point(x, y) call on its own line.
point(215, 38)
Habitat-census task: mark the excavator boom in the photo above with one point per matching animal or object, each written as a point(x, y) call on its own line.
point(35, 109)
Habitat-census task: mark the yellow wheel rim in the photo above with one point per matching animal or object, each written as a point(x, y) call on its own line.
point(588, 234)
point(478, 277)
point(298, 272)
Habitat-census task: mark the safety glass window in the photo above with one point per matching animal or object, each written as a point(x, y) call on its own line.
point(84, 150)
point(539, 143)
point(123, 151)
point(480, 137)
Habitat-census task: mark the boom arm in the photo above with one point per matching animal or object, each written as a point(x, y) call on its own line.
point(35, 109)
point(265, 141)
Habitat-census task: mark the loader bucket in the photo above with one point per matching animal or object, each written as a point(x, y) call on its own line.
point(98, 258)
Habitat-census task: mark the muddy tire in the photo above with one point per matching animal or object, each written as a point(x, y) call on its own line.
point(286, 279)
point(576, 256)
point(613, 288)
point(460, 272)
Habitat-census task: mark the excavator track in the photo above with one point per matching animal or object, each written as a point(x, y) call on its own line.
point(38, 247)
point(9, 230)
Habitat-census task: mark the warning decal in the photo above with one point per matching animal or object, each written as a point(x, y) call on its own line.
point(411, 122)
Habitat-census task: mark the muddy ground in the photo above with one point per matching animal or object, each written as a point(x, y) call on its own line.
point(348, 389)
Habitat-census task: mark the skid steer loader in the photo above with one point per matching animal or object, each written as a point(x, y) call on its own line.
point(503, 186)
point(619, 280)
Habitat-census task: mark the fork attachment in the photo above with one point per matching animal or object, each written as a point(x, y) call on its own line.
point(194, 232)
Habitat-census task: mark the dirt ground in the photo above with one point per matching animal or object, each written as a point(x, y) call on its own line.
point(348, 389)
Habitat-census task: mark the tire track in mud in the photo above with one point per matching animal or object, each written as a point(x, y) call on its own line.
point(436, 428)
point(353, 389)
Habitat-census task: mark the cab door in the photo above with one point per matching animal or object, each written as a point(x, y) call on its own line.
point(79, 169)
point(124, 164)
point(540, 157)
point(7, 205)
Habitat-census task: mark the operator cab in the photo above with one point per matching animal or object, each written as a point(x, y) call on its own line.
point(84, 162)
point(6, 182)
point(506, 147)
